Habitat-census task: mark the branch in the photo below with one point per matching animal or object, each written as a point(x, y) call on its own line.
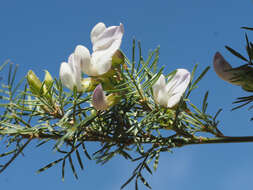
point(89, 137)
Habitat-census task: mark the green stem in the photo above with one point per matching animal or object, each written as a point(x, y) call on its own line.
point(226, 139)
point(179, 142)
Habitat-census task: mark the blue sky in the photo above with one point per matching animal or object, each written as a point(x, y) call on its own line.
point(40, 35)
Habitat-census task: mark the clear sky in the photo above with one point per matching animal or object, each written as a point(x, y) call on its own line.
point(40, 35)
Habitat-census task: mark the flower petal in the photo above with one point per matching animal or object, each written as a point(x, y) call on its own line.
point(99, 98)
point(70, 73)
point(177, 86)
point(84, 53)
point(222, 68)
point(66, 75)
point(158, 86)
point(106, 41)
point(86, 65)
point(168, 95)
point(179, 82)
point(109, 36)
point(102, 61)
point(105, 46)
point(162, 97)
point(96, 31)
point(75, 64)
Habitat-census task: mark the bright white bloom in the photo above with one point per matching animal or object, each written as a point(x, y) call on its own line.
point(105, 41)
point(99, 99)
point(223, 69)
point(168, 95)
point(70, 73)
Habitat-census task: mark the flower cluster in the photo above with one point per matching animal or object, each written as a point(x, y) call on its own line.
point(106, 43)
point(101, 65)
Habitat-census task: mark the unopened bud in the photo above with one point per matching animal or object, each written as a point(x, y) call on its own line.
point(99, 99)
point(48, 79)
point(34, 82)
point(224, 70)
point(102, 102)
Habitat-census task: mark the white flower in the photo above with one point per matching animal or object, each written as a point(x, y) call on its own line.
point(168, 95)
point(99, 99)
point(105, 41)
point(70, 73)
point(223, 69)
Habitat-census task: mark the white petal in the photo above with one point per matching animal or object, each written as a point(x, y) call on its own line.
point(96, 31)
point(86, 65)
point(70, 73)
point(159, 85)
point(102, 60)
point(161, 81)
point(104, 46)
point(109, 36)
point(174, 100)
point(106, 41)
point(162, 97)
point(66, 75)
point(83, 52)
point(99, 99)
point(177, 86)
point(179, 82)
point(222, 67)
point(168, 95)
point(75, 64)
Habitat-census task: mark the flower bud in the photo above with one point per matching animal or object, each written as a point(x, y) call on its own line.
point(224, 70)
point(34, 82)
point(99, 98)
point(102, 102)
point(48, 79)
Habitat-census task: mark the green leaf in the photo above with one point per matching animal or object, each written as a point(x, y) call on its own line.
point(63, 170)
point(72, 167)
point(247, 28)
point(4, 64)
point(85, 152)
point(7, 153)
point(49, 165)
point(217, 113)
point(128, 181)
point(147, 168)
point(133, 57)
point(237, 54)
point(136, 184)
point(204, 104)
point(156, 160)
point(248, 48)
point(79, 160)
point(201, 76)
point(144, 181)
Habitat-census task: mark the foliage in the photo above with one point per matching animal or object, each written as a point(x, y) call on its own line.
point(136, 128)
point(248, 67)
